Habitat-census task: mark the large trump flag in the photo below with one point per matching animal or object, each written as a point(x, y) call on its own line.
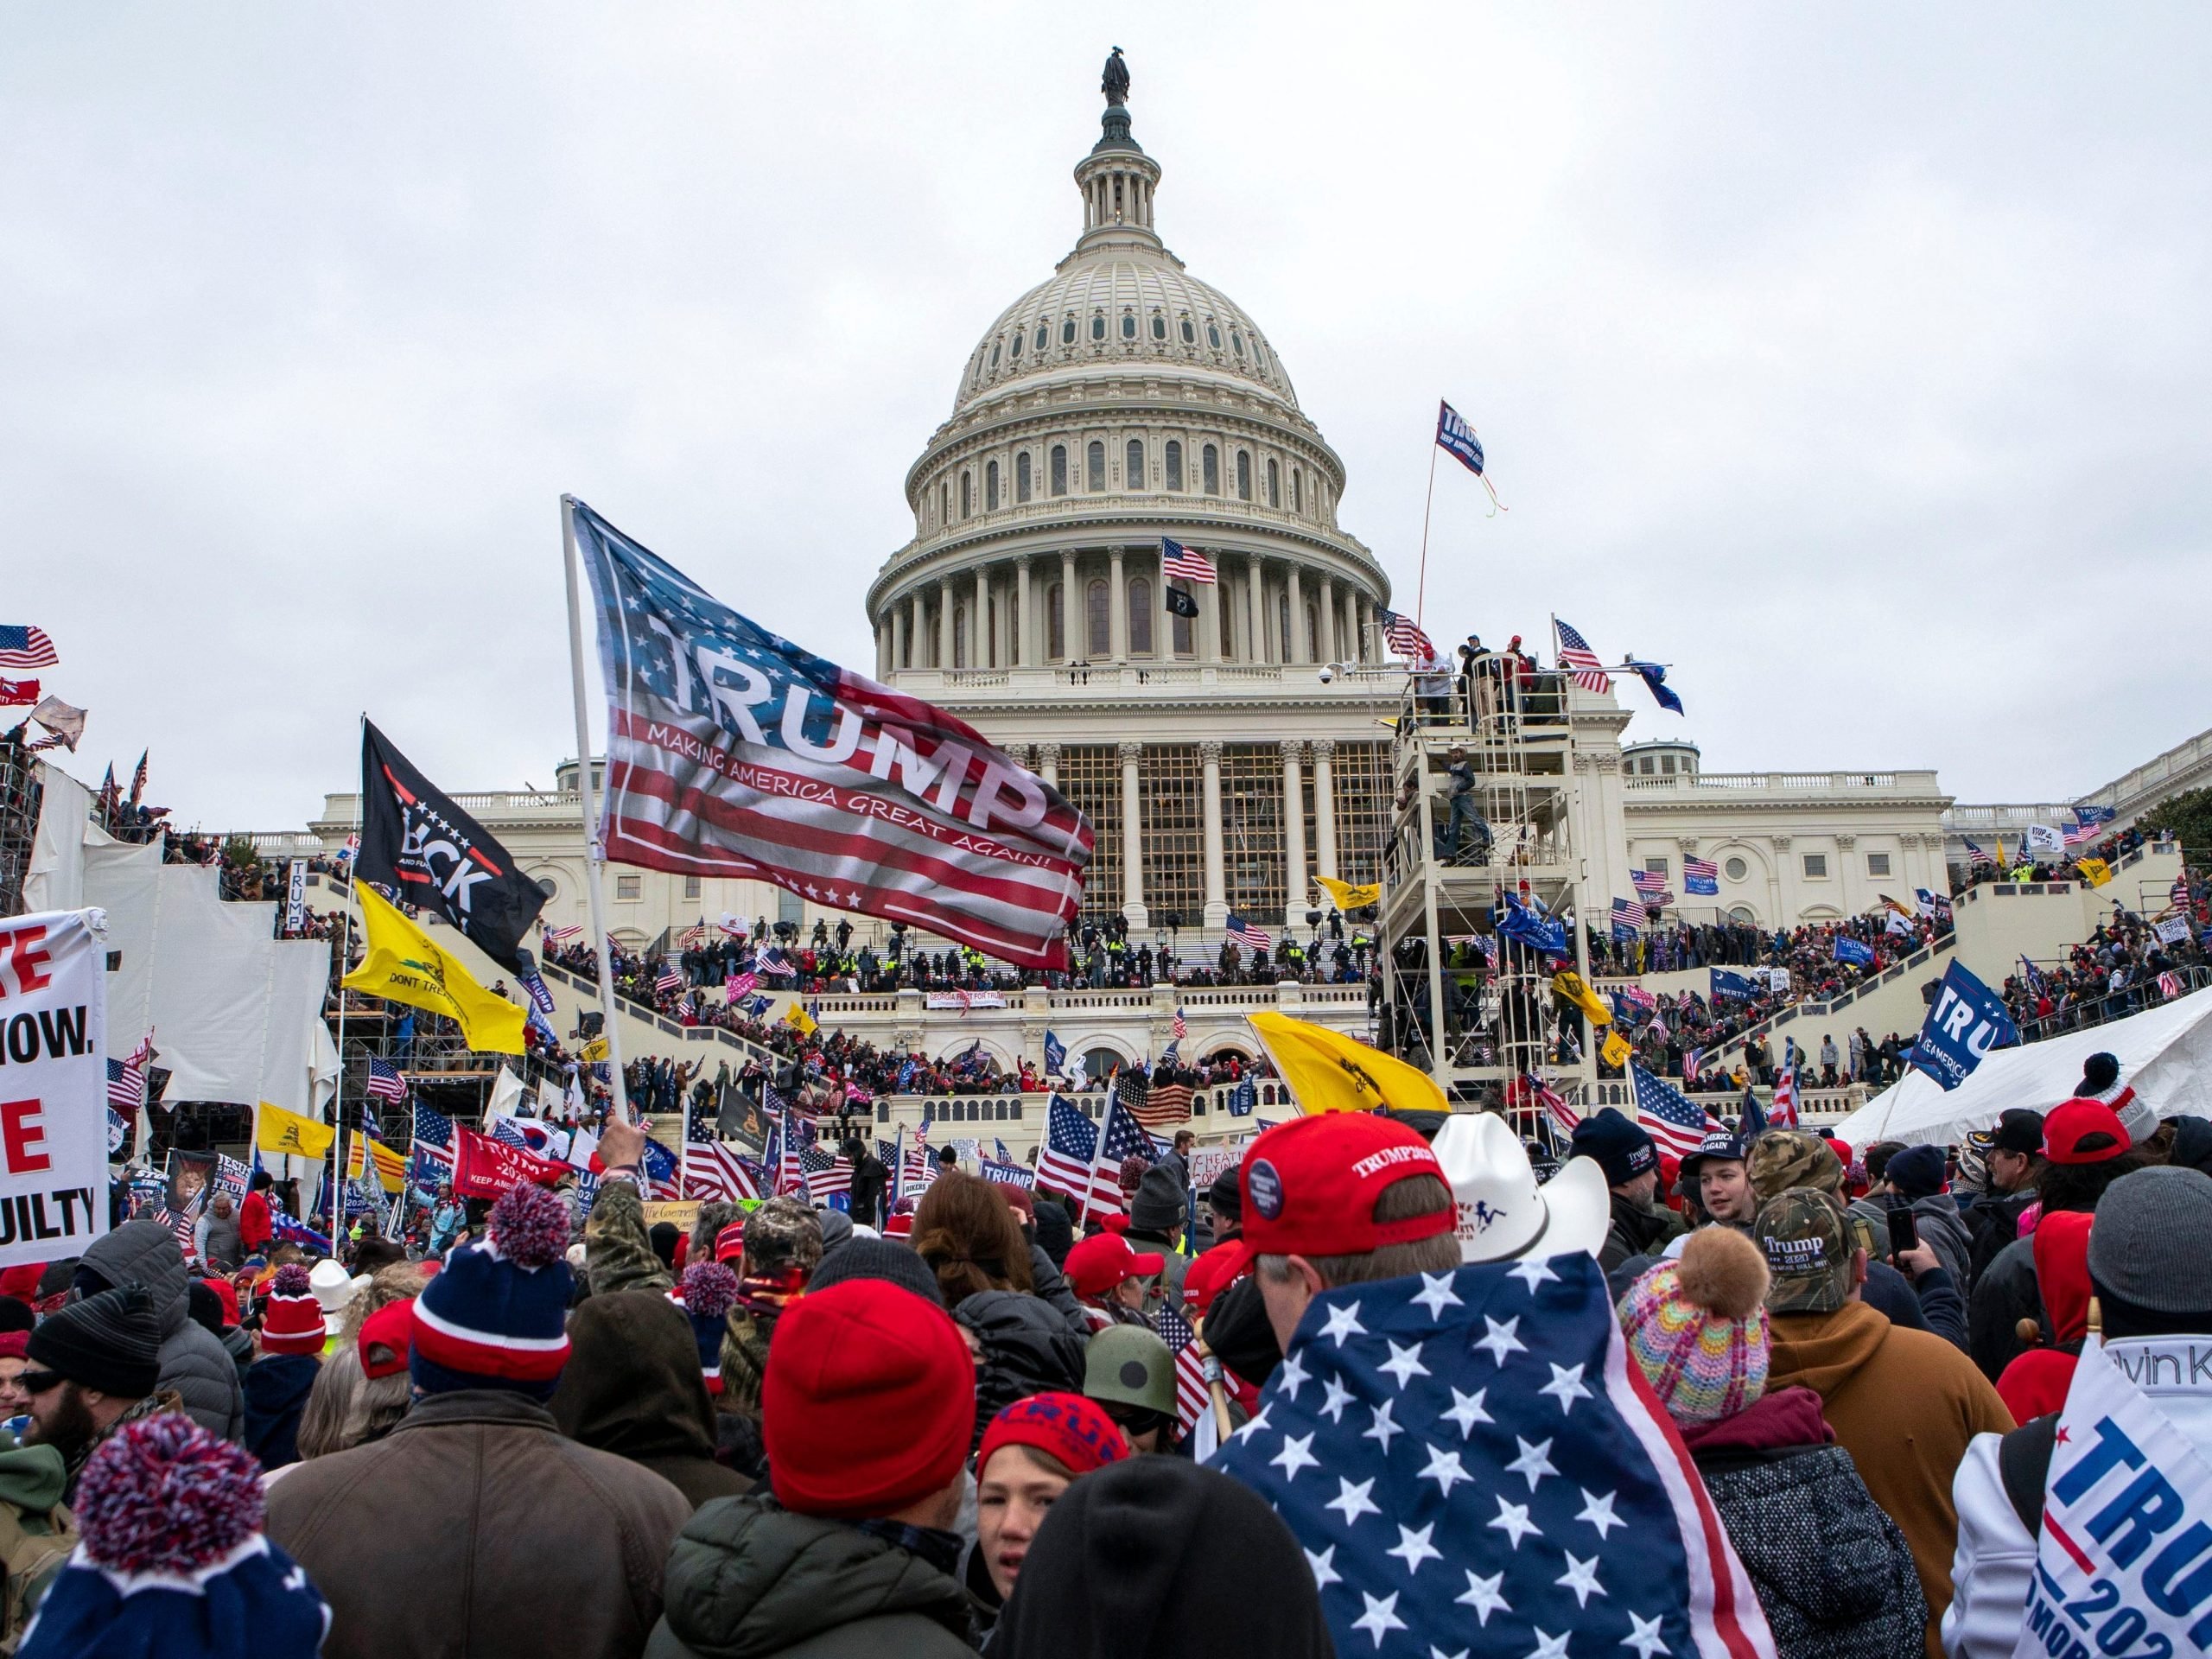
point(733, 752)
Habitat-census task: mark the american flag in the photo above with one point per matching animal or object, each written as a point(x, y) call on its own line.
point(1191, 1394)
point(2170, 984)
point(825, 1176)
point(1648, 882)
point(1536, 1093)
point(739, 985)
point(1244, 933)
point(826, 799)
point(669, 979)
point(2075, 834)
point(1176, 560)
point(385, 1081)
point(1574, 653)
point(1181, 1028)
point(433, 1143)
point(712, 1168)
point(1402, 637)
point(1977, 859)
point(2179, 897)
point(1782, 1114)
point(773, 961)
point(1068, 1161)
point(917, 1169)
point(1670, 1117)
point(559, 936)
point(182, 1226)
point(1513, 1381)
point(126, 1079)
point(1159, 1106)
point(21, 648)
point(1628, 917)
point(695, 934)
point(1700, 875)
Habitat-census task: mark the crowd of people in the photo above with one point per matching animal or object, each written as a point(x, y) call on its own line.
point(984, 1419)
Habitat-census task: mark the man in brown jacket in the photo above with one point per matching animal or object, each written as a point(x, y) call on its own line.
point(1903, 1403)
point(475, 1526)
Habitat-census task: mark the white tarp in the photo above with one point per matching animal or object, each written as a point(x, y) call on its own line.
point(55, 878)
point(2165, 1053)
point(234, 1010)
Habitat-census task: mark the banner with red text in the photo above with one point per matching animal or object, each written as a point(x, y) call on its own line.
point(53, 1085)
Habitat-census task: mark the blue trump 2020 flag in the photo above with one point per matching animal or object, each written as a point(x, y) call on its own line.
point(1469, 1468)
point(1850, 949)
point(1965, 1023)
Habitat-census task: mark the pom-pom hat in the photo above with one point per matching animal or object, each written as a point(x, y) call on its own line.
point(706, 1294)
point(1310, 1186)
point(1697, 1327)
point(291, 1318)
point(496, 1317)
point(173, 1558)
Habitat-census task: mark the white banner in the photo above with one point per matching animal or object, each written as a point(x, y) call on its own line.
point(296, 899)
point(2173, 930)
point(963, 1000)
point(2045, 838)
point(2127, 1514)
point(52, 1084)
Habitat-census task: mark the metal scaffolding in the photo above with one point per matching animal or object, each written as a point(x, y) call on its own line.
point(20, 796)
point(1484, 767)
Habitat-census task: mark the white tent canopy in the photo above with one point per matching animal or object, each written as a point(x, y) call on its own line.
point(2165, 1053)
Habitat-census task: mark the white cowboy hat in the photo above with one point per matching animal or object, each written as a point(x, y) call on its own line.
point(1502, 1212)
point(334, 1289)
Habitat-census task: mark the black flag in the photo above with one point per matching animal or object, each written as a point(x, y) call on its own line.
point(417, 843)
point(1180, 603)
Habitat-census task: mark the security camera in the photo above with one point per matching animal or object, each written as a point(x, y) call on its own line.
point(1328, 674)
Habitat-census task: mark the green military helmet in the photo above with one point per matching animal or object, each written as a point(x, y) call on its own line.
point(1129, 1365)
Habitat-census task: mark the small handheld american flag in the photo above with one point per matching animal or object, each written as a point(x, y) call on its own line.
point(1574, 654)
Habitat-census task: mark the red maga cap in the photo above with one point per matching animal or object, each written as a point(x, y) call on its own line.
point(1099, 1263)
point(1310, 1186)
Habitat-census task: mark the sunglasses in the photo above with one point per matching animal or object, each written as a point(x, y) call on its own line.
point(38, 1382)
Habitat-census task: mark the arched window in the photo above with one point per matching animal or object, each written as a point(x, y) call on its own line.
point(1213, 336)
point(1174, 459)
point(1297, 490)
point(1098, 325)
point(1056, 633)
point(1059, 469)
point(995, 346)
point(1313, 654)
point(966, 494)
point(944, 502)
point(1209, 469)
point(1022, 476)
point(1190, 335)
point(1133, 466)
point(1228, 627)
point(1094, 467)
point(1044, 334)
point(1013, 344)
point(991, 485)
point(1067, 331)
point(960, 636)
point(1129, 325)
point(1274, 484)
point(1282, 622)
point(1139, 617)
point(1158, 327)
point(1178, 625)
point(1097, 621)
point(1244, 475)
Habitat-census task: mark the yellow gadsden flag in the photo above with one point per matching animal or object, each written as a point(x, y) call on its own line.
point(2094, 871)
point(1348, 896)
point(276, 1129)
point(1570, 987)
point(800, 1021)
point(1616, 1049)
point(361, 1151)
point(403, 966)
point(1328, 1071)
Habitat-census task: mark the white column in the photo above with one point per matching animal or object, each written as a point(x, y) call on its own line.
point(979, 622)
point(1048, 763)
point(1294, 834)
point(1217, 882)
point(945, 622)
point(1324, 805)
point(1293, 649)
point(1026, 616)
point(1132, 835)
point(1208, 620)
point(1254, 586)
point(1069, 611)
point(900, 635)
point(1327, 643)
point(1350, 622)
point(916, 651)
point(1117, 621)
point(882, 647)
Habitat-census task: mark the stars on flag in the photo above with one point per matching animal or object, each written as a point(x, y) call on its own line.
point(1576, 657)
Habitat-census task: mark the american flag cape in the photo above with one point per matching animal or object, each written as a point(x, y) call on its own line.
point(733, 752)
point(1670, 1117)
point(1575, 655)
point(1471, 1463)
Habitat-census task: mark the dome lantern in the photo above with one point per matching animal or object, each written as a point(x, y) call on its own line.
point(1117, 179)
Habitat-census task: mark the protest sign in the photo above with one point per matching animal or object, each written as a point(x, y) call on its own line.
point(53, 1085)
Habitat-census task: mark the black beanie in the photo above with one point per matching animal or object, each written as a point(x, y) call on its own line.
point(15, 1314)
point(1112, 1574)
point(1158, 1205)
point(876, 1258)
point(1623, 1150)
point(206, 1306)
point(1224, 1199)
point(1055, 1229)
point(109, 1342)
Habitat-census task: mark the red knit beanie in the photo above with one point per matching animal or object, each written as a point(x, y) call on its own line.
point(1063, 1426)
point(869, 1401)
point(14, 1343)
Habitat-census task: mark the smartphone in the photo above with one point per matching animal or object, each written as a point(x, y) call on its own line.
point(1904, 1233)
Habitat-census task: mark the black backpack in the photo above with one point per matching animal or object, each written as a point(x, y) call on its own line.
point(2024, 1465)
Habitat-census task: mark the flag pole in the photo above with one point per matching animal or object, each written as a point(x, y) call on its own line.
point(594, 854)
point(1420, 593)
point(344, 953)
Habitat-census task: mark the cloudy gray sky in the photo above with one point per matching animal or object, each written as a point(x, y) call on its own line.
point(1857, 363)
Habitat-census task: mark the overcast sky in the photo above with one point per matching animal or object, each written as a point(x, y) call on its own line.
point(1855, 360)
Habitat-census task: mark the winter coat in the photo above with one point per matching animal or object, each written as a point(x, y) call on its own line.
point(37, 1532)
point(634, 1388)
point(193, 1360)
point(277, 1387)
point(1904, 1404)
point(238, 1343)
point(1937, 1221)
point(618, 1254)
point(747, 1579)
point(475, 1528)
point(1027, 1348)
point(1049, 1285)
point(255, 1226)
point(2005, 1293)
point(1994, 1221)
point(1637, 1229)
point(1833, 1573)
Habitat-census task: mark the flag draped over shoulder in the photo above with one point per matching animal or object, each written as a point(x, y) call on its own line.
point(733, 752)
point(416, 841)
point(404, 965)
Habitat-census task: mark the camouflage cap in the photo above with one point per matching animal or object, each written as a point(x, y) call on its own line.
point(1808, 1250)
point(1782, 1159)
point(782, 1234)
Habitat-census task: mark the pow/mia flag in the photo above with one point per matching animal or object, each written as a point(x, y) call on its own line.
point(1180, 603)
point(428, 852)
